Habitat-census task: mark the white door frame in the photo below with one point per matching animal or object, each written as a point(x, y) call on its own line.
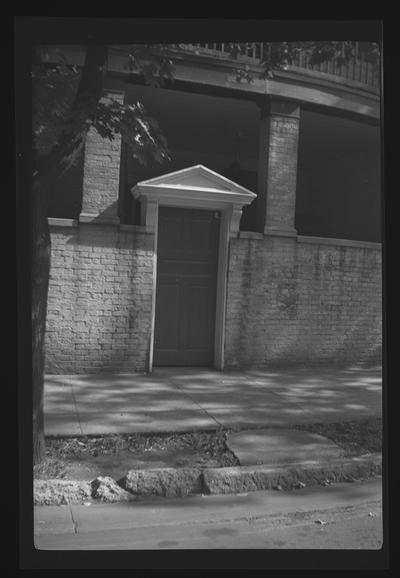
point(198, 188)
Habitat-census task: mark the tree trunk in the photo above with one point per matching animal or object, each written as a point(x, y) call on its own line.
point(40, 284)
point(48, 171)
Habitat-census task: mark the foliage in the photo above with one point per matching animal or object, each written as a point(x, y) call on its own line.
point(139, 131)
point(53, 91)
point(153, 62)
point(58, 117)
point(280, 55)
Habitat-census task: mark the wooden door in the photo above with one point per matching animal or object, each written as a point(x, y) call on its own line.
point(187, 258)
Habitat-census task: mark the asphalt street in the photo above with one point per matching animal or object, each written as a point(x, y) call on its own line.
point(343, 516)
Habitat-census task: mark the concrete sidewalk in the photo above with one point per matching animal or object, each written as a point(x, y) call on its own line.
point(184, 399)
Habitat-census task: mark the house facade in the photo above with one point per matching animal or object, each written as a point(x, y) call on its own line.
point(257, 245)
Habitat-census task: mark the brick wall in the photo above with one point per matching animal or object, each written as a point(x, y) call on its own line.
point(99, 307)
point(292, 302)
point(288, 302)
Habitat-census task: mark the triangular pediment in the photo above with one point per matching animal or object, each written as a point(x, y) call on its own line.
point(197, 178)
point(195, 187)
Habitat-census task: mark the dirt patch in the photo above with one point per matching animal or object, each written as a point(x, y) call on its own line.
point(355, 437)
point(87, 457)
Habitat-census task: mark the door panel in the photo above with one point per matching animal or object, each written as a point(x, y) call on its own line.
point(168, 296)
point(187, 260)
point(198, 236)
point(170, 232)
point(199, 317)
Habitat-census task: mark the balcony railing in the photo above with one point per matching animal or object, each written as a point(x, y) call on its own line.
point(358, 69)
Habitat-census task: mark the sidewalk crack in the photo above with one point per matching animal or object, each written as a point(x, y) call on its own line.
point(277, 394)
point(194, 401)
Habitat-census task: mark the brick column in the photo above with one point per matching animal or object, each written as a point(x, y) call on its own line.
point(101, 174)
point(277, 172)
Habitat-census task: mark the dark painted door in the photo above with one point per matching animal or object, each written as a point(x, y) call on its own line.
point(187, 257)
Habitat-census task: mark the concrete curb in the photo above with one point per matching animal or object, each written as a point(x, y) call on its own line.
point(59, 492)
point(178, 482)
point(286, 477)
point(168, 482)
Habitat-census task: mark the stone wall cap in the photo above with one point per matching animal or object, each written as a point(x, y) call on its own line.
point(98, 218)
point(342, 242)
point(250, 235)
point(56, 222)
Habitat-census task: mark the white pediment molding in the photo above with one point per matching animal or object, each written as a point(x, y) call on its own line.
point(196, 187)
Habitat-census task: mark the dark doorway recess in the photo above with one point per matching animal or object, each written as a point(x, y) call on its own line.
point(187, 260)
